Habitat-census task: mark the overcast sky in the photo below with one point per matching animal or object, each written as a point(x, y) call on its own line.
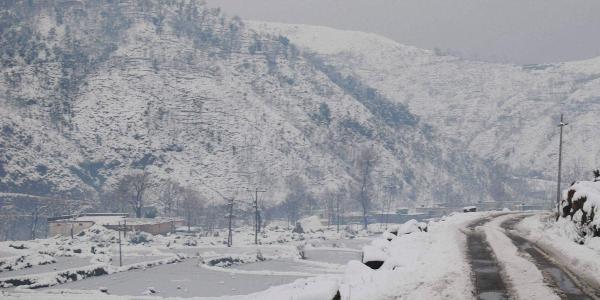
point(520, 31)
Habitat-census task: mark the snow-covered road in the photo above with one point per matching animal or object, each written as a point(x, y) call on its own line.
point(526, 269)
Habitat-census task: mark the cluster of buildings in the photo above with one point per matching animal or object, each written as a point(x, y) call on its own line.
point(69, 225)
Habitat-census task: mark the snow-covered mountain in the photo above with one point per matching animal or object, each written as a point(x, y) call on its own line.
point(501, 112)
point(93, 89)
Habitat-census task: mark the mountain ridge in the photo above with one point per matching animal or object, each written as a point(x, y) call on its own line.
point(503, 112)
point(184, 92)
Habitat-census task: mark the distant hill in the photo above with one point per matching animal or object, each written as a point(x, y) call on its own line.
point(93, 89)
point(503, 113)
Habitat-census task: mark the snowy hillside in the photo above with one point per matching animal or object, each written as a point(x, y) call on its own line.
point(502, 112)
point(94, 89)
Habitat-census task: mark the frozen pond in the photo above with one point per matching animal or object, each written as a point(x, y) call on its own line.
point(356, 244)
point(184, 279)
point(332, 256)
point(187, 279)
point(287, 265)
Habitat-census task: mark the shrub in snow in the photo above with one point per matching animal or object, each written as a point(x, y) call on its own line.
point(581, 203)
point(349, 230)
point(140, 237)
point(298, 228)
point(190, 242)
point(301, 248)
point(150, 291)
point(259, 255)
point(311, 224)
point(25, 261)
point(19, 247)
point(406, 228)
point(43, 280)
point(224, 262)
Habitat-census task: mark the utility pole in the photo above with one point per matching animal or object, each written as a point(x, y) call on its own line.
point(256, 214)
point(120, 253)
point(230, 216)
point(337, 211)
point(561, 125)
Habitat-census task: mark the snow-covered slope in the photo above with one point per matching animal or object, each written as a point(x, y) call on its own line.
point(502, 112)
point(186, 93)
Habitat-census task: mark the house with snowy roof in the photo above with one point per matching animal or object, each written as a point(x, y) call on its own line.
point(73, 224)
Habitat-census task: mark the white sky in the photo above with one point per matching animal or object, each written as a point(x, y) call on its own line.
point(520, 31)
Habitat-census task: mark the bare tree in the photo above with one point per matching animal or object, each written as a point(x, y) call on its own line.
point(295, 198)
point(365, 163)
point(114, 200)
point(340, 195)
point(211, 220)
point(192, 206)
point(574, 171)
point(328, 198)
point(170, 197)
point(37, 209)
point(393, 188)
point(133, 188)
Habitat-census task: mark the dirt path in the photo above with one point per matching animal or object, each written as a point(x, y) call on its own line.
point(484, 266)
point(563, 281)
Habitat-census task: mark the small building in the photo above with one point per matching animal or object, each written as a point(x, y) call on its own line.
point(74, 224)
point(150, 225)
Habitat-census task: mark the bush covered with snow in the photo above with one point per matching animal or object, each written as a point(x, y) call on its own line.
point(25, 261)
point(140, 237)
point(310, 224)
point(406, 228)
point(581, 204)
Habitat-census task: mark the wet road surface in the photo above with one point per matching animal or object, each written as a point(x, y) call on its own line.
point(488, 282)
point(564, 282)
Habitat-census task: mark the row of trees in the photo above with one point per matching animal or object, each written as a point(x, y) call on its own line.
point(135, 191)
point(360, 189)
point(138, 191)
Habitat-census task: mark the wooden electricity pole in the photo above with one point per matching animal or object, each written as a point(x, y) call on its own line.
point(337, 211)
point(256, 214)
point(230, 216)
point(561, 125)
point(119, 228)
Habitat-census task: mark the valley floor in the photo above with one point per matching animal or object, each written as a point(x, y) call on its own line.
point(485, 255)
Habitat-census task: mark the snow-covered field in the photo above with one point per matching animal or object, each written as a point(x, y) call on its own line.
point(418, 261)
point(418, 264)
point(178, 265)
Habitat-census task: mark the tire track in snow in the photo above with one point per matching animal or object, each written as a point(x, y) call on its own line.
point(563, 281)
point(485, 270)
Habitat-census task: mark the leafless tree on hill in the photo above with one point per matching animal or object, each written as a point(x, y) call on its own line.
point(170, 196)
point(365, 163)
point(133, 188)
